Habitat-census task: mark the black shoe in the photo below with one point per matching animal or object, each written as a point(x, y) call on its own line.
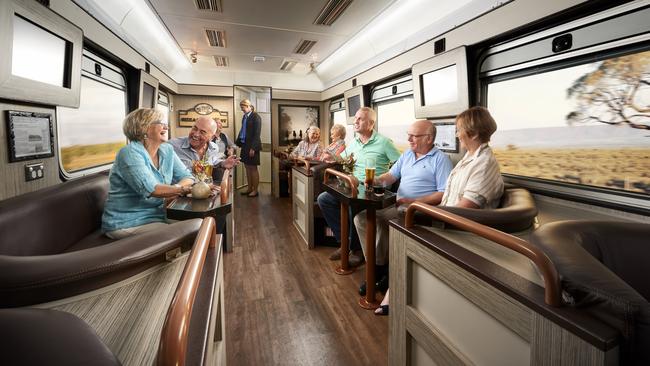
point(382, 310)
point(362, 289)
point(382, 284)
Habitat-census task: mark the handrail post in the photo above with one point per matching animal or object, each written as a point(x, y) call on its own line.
point(353, 188)
point(552, 290)
point(225, 187)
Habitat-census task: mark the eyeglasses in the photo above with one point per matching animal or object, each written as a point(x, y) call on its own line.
point(410, 136)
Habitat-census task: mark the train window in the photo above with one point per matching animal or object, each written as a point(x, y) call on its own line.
point(90, 136)
point(394, 104)
point(337, 115)
point(595, 134)
point(163, 106)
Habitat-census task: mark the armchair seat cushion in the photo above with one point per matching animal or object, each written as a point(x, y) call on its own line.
point(50, 337)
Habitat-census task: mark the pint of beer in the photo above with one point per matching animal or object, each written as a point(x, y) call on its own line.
point(370, 177)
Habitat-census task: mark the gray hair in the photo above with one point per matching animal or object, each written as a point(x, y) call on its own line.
point(137, 123)
point(340, 130)
point(311, 128)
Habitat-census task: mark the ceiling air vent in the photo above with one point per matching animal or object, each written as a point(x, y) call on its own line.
point(331, 11)
point(221, 61)
point(287, 65)
point(216, 38)
point(304, 46)
point(211, 5)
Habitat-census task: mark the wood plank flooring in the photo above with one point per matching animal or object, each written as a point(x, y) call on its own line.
point(284, 303)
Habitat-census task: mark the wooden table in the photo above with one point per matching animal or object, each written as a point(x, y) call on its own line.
point(358, 197)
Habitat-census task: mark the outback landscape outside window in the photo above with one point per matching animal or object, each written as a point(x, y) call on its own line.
point(583, 125)
point(394, 117)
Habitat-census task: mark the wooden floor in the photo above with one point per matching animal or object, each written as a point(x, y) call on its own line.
point(284, 303)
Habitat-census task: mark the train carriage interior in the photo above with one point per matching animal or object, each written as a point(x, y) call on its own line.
point(324, 182)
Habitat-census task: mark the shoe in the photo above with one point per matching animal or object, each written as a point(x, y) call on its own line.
point(382, 284)
point(253, 194)
point(356, 259)
point(362, 289)
point(244, 193)
point(336, 255)
point(382, 310)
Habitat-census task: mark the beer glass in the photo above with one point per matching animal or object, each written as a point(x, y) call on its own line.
point(370, 173)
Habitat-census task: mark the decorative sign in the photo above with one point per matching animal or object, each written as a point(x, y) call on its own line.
point(203, 109)
point(187, 117)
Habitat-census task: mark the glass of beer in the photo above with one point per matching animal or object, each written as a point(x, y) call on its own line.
point(370, 174)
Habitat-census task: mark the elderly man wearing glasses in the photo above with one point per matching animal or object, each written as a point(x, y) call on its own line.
point(144, 173)
point(422, 171)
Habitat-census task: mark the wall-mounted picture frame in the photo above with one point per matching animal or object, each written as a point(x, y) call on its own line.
point(187, 117)
point(30, 135)
point(294, 122)
point(446, 139)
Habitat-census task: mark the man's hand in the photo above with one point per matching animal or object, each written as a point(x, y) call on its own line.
point(230, 162)
point(215, 189)
point(251, 153)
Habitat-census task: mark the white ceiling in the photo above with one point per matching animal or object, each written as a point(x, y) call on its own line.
point(271, 28)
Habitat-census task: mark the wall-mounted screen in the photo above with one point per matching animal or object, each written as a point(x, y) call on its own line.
point(30, 135)
point(446, 139)
point(440, 85)
point(354, 103)
point(42, 60)
point(37, 54)
point(355, 98)
point(148, 93)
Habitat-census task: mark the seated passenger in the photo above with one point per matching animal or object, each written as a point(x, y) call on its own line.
point(423, 172)
point(333, 151)
point(310, 147)
point(476, 180)
point(224, 143)
point(198, 146)
point(367, 143)
point(145, 172)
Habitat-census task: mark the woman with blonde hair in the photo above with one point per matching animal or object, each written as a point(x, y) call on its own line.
point(251, 144)
point(144, 173)
point(333, 151)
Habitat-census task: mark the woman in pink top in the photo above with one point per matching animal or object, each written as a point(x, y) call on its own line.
point(334, 150)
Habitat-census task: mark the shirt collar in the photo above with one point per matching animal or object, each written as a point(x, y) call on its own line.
point(372, 137)
point(186, 144)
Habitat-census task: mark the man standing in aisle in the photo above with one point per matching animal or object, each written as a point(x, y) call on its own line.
point(367, 143)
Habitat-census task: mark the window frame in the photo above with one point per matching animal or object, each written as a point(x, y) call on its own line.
point(628, 201)
point(107, 63)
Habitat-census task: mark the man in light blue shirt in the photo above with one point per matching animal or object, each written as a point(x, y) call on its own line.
point(422, 171)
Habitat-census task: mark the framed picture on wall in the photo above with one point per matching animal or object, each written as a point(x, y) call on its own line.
point(30, 135)
point(294, 121)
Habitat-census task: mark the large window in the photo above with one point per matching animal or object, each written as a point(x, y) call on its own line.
point(91, 135)
point(581, 125)
point(393, 102)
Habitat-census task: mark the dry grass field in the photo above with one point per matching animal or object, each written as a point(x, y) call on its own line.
point(79, 157)
point(627, 169)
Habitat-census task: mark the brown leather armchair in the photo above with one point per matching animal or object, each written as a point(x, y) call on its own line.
point(51, 246)
point(603, 269)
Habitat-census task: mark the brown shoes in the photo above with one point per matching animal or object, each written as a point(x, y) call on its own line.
point(336, 255)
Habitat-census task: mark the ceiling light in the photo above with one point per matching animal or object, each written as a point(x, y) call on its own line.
point(259, 58)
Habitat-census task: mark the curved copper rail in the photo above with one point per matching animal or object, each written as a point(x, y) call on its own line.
point(304, 161)
point(345, 177)
point(552, 292)
point(174, 336)
point(225, 186)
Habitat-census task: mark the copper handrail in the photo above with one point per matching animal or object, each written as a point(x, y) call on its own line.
point(225, 186)
point(552, 292)
point(174, 336)
point(304, 161)
point(345, 177)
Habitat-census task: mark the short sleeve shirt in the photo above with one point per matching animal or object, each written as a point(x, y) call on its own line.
point(132, 179)
point(477, 178)
point(378, 147)
point(187, 154)
point(423, 176)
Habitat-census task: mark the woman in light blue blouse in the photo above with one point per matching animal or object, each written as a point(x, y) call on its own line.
point(145, 172)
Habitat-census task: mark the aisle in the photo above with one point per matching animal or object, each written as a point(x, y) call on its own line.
point(284, 303)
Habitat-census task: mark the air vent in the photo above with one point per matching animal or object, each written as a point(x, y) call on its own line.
point(221, 61)
point(304, 46)
point(331, 11)
point(211, 5)
point(287, 65)
point(259, 59)
point(216, 38)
